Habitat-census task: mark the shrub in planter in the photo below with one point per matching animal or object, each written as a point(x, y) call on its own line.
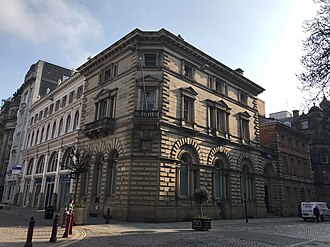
point(201, 223)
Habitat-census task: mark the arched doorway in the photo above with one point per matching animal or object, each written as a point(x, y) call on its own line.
point(269, 184)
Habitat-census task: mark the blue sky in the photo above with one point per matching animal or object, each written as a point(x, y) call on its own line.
point(263, 37)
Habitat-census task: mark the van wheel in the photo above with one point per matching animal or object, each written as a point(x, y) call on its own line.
point(322, 217)
point(304, 219)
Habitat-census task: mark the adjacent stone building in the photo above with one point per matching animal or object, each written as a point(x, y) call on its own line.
point(8, 118)
point(163, 118)
point(316, 124)
point(288, 176)
point(41, 78)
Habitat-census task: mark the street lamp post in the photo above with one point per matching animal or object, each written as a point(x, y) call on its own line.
point(245, 209)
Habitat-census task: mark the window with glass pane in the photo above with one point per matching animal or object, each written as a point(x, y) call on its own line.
point(40, 165)
point(218, 180)
point(68, 124)
point(184, 175)
point(60, 127)
point(246, 182)
point(188, 109)
point(76, 120)
point(52, 164)
point(324, 157)
point(150, 60)
point(245, 129)
point(221, 124)
point(188, 71)
point(148, 99)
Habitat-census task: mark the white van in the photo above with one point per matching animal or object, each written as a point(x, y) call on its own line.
point(307, 210)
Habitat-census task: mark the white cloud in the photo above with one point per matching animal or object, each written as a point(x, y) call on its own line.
point(65, 23)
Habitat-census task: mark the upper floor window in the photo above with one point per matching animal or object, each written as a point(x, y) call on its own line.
point(188, 71)
point(64, 101)
point(148, 101)
point(324, 157)
point(57, 105)
point(51, 108)
point(115, 70)
point(304, 124)
point(47, 132)
point(53, 129)
point(245, 126)
point(40, 165)
point(76, 120)
point(188, 106)
point(243, 97)
point(71, 95)
point(46, 112)
point(29, 169)
point(80, 91)
point(52, 164)
point(219, 116)
point(150, 60)
point(40, 115)
point(68, 124)
point(105, 107)
point(60, 127)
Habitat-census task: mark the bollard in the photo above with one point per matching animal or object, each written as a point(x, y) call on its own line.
point(28, 242)
point(66, 231)
point(53, 237)
point(108, 216)
point(71, 222)
point(64, 219)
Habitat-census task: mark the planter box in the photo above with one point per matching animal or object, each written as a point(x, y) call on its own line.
point(80, 216)
point(201, 224)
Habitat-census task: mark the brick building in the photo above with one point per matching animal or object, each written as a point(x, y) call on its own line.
point(288, 170)
point(164, 118)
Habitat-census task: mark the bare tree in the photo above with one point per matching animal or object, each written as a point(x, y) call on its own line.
point(76, 159)
point(316, 59)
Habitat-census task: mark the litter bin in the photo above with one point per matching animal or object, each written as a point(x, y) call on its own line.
point(49, 212)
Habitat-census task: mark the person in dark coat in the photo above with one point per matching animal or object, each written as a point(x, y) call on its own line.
point(316, 212)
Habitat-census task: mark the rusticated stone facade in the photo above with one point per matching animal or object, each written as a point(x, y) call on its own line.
point(164, 118)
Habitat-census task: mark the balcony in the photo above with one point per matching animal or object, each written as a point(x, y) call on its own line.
point(146, 114)
point(99, 128)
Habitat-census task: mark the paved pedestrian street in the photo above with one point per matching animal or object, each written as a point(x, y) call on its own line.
point(258, 232)
point(262, 232)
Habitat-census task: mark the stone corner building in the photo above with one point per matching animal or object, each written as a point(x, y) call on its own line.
point(164, 118)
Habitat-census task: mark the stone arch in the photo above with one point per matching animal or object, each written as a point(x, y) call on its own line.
point(114, 144)
point(215, 152)
point(269, 170)
point(186, 141)
point(250, 161)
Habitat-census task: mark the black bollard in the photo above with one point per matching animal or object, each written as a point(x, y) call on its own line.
point(64, 219)
point(28, 242)
point(53, 237)
point(245, 207)
point(108, 216)
point(67, 225)
point(71, 222)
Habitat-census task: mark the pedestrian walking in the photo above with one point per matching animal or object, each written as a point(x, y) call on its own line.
point(69, 208)
point(316, 212)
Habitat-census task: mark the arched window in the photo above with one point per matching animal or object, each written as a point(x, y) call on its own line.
point(40, 165)
point(54, 130)
point(68, 124)
point(112, 173)
point(97, 179)
point(184, 174)
point(30, 167)
point(28, 140)
point(60, 127)
point(32, 137)
point(42, 134)
point(67, 159)
point(246, 183)
point(37, 136)
point(52, 164)
point(219, 180)
point(76, 120)
point(47, 132)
